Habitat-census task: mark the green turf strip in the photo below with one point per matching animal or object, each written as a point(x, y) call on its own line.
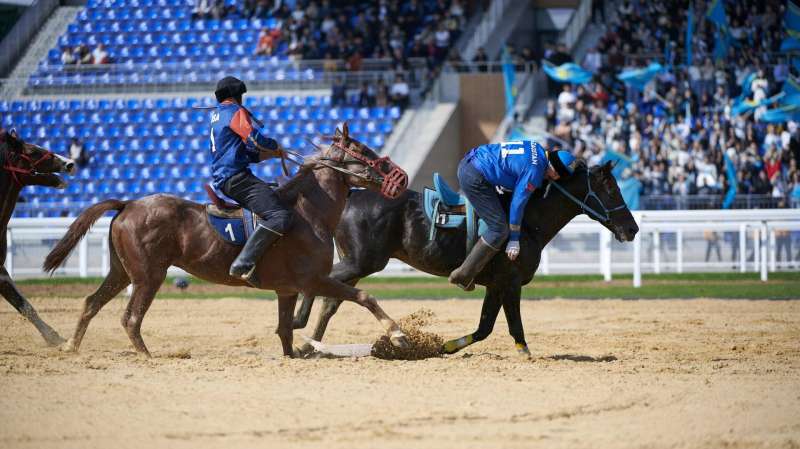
point(783, 285)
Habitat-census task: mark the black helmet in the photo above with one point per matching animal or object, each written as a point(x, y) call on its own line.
point(230, 87)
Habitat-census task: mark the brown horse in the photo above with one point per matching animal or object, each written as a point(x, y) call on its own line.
point(150, 234)
point(23, 164)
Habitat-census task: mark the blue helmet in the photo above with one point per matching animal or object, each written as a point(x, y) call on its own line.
point(563, 162)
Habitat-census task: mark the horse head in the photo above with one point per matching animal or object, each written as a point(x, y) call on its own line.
point(597, 194)
point(364, 168)
point(30, 164)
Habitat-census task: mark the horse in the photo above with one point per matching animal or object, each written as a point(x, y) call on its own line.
point(24, 164)
point(150, 234)
point(374, 229)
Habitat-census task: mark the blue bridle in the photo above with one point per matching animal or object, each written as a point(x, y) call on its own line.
point(605, 217)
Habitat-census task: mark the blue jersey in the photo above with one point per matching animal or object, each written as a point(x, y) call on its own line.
point(233, 142)
point(518, 166)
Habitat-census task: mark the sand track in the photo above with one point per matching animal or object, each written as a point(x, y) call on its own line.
point(695, 374)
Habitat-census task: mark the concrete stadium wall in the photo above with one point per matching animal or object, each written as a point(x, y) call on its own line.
point(444, 156)
point(13, 45)
point(482, 104)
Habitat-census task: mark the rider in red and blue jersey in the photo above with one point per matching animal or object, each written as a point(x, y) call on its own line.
point(235, 144)
point(519, 167)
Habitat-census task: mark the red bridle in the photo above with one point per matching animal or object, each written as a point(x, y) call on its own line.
point(393, 182)
point(16, 171)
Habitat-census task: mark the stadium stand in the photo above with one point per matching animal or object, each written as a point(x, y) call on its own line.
point(175, 43)
point(140, 145)
point(160, 145)
point(677, 132)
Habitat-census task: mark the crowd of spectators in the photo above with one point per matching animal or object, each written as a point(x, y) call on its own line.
point(349, 31)
point(678, 130)
point(81, 55)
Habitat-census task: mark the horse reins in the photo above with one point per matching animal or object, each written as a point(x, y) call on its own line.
point(605, 217)
point(393, 182)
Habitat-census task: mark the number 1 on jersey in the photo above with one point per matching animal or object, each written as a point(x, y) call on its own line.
point(512, 147)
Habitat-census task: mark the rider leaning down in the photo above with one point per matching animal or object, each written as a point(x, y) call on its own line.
point(518, 167)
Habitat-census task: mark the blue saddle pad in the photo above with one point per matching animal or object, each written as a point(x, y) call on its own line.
point(233, 226)
point(448, 196)
point(437, 203)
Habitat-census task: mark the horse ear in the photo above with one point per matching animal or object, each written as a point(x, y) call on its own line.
point(345, 132)
point(608, 167)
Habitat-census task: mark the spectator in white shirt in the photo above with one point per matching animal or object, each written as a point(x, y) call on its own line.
point(100, 55)
point(400, 91)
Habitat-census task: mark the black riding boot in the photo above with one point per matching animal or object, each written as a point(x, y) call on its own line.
point(464, 276)
point(245, 264)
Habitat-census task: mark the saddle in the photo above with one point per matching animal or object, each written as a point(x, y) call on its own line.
point(232, 222)
point(447, 209)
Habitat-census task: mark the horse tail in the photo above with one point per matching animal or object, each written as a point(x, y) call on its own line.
point(76, 231)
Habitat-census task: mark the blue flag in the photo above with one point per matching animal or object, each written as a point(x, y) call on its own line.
point(740, 107)
point(621, 162)
point(567, 73)
point(733, 185)
point(791, 89)
point(716, 13)
point(791, 20)
point(509, 73)
point(638, 78)
point(630, 189)
point(781, 114)
point(790, 44)
point(721, 44)
point(689, 34)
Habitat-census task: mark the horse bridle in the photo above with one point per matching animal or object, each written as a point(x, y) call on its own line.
point(605, 217)
point(17, 171)
point(393, 182)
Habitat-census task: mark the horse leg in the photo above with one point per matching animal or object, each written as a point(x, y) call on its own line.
point(332, 288)
point(9, 291)
point(345, 271)
point(492, 302)
point(115, 281)
point(286, 305)
point(350, 274)
point(144, 291)
point(511, 300)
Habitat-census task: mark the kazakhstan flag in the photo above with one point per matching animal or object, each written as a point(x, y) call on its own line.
point(567, 73)
point(790, 44)
point(716, 13)
point(638, 78)
point(781, 114)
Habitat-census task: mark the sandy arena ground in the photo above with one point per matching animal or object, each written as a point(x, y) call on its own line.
point(605, 374)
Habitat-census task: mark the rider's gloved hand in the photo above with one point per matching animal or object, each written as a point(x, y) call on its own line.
point(512, 249)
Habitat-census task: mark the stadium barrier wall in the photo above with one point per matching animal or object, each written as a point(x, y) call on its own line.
point(668, 241)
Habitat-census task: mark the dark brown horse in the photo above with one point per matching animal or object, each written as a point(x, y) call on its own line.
point(23, 164)
point(150, 234)
point(375, 229)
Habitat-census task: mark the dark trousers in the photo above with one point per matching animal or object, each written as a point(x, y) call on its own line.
point(483, 197)
point(255, 195)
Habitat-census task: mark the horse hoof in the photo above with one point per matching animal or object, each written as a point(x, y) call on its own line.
point(399, 340)
point(68, 346)
point(523, 351)
point(304, 351)
point(53, 339)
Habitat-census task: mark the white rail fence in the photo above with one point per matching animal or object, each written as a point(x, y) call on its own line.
point(761, 241)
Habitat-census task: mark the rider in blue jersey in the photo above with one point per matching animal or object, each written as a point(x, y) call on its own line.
point(519, 167)
point(235, 144)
